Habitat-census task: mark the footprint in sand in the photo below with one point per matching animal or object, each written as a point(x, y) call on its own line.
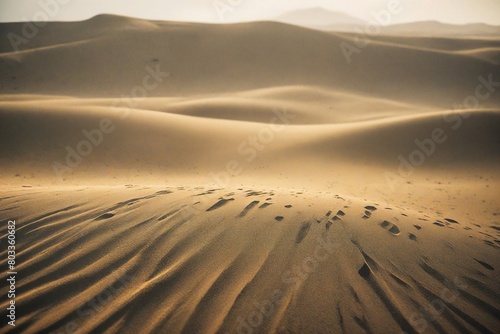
point(288, 206)
point(279, 218)
point(220, 203)
point(265, 205)
point(490, 243)
point(393, 229)
point(453, 221)
point(254, 193)
point(370, 208)
point(328, 213)
point(303, 231)
point(412, 237)
point(340, 213)
point(418, 227)
point(367, 215)
point(248, 208)
point(163, 192)
point(328, 225)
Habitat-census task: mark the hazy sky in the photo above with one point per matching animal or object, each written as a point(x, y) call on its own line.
point(451, 11)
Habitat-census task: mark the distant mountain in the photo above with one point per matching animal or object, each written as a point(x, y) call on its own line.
point(323, 19)
point(320, 18)
point(434, 28)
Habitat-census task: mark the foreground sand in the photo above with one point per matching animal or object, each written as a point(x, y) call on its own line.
point(264, 186)
point(174, 259)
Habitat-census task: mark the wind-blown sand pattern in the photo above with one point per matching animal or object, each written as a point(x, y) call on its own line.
point(176, 223)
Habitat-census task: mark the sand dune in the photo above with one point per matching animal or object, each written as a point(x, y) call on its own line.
point(266, 55)
point(262, 184)
point(193, 128)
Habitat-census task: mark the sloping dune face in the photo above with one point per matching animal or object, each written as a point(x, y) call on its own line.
point(253, 178)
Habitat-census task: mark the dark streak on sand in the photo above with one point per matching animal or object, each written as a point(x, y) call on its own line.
point(248, 208)
point(304, 230)
point(219, 204)
point(364, 271)
point(105, 216)
point(484, 264)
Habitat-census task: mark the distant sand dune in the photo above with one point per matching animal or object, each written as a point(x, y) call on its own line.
point(265, 54)
point(194, 127)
